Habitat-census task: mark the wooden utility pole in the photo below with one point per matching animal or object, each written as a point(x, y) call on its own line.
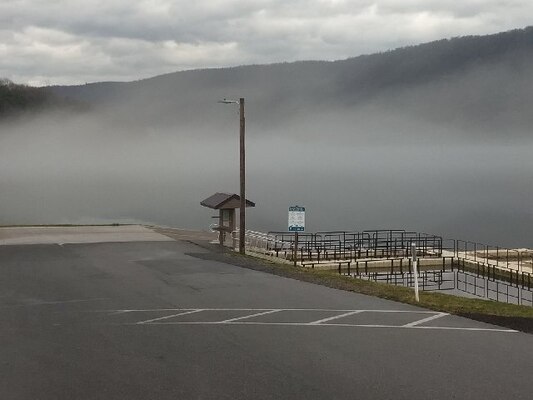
point(242, 216)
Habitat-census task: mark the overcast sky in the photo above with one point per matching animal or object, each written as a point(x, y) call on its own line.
point(76, 41)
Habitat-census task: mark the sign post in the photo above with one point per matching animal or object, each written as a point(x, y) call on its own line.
point(296, 224)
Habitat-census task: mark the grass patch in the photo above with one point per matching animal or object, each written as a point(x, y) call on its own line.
point(502, 314)
point(434, 301)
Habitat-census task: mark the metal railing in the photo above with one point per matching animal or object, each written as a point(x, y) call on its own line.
point(387, 252)
point(500, 257)
point(428, 280)
point(335, 245)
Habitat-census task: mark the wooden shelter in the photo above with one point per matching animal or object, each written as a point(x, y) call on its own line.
point(226, 203)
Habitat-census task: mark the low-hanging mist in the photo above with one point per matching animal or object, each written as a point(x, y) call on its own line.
point(368, 143)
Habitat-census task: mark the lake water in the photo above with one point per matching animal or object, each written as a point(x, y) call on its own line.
point(476, 192)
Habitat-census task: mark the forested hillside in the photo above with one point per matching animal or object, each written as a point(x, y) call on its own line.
point(16, 99)
point(478, 85)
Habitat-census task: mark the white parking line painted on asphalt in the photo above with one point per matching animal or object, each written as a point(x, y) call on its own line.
point(169, 316)
point(249, 316)
point(337, 325)
point(209, 319)
point(267, 309)
point(320, 321)
point(421, 321)
point(120, 312)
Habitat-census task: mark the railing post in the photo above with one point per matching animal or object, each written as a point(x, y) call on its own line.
point(414, 256)
point(295, 247)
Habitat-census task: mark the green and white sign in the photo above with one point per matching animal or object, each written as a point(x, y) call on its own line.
point(296, 219)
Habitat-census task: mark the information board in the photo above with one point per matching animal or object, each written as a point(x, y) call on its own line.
point(296, 219)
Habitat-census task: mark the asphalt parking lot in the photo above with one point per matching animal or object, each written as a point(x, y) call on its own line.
point(153, 320)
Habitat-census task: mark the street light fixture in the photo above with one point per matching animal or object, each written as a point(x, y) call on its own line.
point(242, 211)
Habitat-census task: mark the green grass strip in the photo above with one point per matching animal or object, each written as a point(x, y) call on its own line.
point(431, 300)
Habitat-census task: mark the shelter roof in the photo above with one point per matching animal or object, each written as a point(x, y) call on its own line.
point(225, 201)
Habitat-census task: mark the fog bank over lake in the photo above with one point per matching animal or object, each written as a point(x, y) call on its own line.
point(84, 169)
point(433, 138)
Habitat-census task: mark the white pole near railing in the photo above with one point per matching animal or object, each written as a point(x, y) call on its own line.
point(415, 270)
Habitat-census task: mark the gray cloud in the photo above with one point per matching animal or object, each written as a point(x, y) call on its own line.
point(71, 41)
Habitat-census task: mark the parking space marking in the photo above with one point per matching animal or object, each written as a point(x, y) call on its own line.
point(267, 309)
point(337, 325)
point(321, 321)
point(169, 316)
point(421, 321)
point(120, 312)
point(333, 320)
point(249, 316)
